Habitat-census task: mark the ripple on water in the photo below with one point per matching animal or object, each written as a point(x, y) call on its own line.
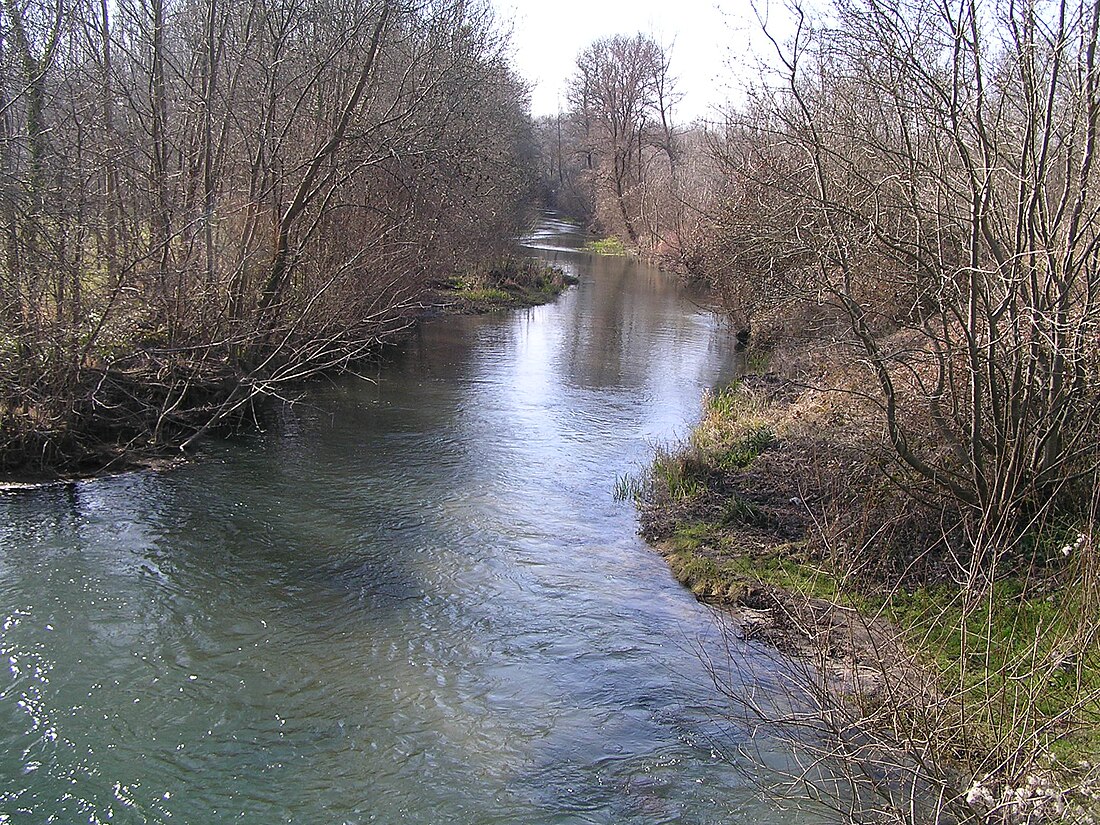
point(417, 602)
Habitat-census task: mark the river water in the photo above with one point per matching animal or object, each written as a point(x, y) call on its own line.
point(415, 600)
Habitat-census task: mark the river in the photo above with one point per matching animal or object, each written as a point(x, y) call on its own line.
point(414, 600)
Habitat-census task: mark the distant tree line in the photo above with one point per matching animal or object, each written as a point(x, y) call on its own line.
point(203, 199)
point(613, 157)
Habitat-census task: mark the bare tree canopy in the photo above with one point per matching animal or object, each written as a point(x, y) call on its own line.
point(614, 155)
point(204, 198)
point(928, 173)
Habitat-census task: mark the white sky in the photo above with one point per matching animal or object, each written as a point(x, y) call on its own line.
point(705, 41)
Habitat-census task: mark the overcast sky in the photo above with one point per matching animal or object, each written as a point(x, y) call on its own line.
point(705, 41)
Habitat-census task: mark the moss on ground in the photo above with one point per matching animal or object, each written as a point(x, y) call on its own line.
point(1022, 654)
point(726, 580)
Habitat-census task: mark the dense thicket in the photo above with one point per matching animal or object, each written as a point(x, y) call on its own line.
point(927, 177)
point(202, 199)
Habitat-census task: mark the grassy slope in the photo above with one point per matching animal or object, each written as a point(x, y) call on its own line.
point(776, 502)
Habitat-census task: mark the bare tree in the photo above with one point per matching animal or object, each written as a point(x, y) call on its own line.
point(622, 99)
point(928, 172)
point(205, 199)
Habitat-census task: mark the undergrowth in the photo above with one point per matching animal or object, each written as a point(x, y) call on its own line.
point(512, 282)
point(1021, 655)
point(1012, 659)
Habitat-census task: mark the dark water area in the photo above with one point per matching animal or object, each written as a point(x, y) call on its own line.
point(415, 600)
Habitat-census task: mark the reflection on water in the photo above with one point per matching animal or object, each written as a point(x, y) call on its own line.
point(415, 602)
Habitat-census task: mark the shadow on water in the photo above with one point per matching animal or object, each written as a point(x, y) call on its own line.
point(417, 601)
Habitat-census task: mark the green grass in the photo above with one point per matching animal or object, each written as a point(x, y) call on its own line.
point(732, 434)
point(690, 537)
point(510, 282)
point(606, 246)
point(746, 449)
point(1020, 657)
point(734, 430)
point(628, 487)
point(692, 555)
point(682, 475)
point(739, 511)
point(757, 362)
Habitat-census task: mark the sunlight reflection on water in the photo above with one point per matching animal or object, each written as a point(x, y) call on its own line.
point(416, 602)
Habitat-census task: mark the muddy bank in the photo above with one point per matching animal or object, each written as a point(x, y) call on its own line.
point(735, 512)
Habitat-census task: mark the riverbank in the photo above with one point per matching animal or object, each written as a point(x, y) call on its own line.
point(417, 575)
point(782, 507)
point(147, 409)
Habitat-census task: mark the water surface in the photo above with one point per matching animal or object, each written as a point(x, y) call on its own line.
point(415, 600)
